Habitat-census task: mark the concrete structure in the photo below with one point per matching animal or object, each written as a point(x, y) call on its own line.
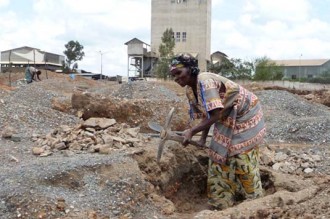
point(18, 58)
point(140, 59)
point(303, 68)
point(190, 21)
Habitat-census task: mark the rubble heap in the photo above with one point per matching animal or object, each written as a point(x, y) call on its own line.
point(95, 135)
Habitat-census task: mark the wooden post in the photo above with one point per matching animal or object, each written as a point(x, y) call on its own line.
point(46, 60)
point(34, 57)
point(10, 64)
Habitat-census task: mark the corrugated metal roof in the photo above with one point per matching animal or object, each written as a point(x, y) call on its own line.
point(302, 62)
point(19, 48)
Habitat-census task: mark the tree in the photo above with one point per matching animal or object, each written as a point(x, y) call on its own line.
point(232, 69)
point(165, 53)
point(265, 69)
point(242, 70)
point(74, 52)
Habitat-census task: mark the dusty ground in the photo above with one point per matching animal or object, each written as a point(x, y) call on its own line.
point(54, 165)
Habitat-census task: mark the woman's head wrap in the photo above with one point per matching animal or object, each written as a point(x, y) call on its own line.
point(185, 60)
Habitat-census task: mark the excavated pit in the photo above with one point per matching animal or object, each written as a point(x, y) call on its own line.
point(176, 185)
point(181, 177)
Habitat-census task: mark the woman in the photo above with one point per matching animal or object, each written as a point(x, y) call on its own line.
point(30, 73)
point(238, 130)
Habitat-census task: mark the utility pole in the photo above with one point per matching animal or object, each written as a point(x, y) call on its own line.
point(34, 58)
point(101, 63)
point(102, 53)
point(46, 60)
point(299, 67)
point(10, 66)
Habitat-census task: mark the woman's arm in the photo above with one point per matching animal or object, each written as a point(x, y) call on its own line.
point(204, 126)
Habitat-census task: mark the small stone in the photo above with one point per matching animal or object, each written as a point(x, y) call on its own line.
point(308, 170)
point(276, 166)
point(37, 150)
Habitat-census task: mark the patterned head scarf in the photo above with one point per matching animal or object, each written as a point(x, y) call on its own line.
point(185, 60)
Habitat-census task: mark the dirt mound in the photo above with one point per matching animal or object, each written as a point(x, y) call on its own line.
point(131, 111)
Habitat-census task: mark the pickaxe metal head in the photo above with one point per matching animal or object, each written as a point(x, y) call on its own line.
point(167, 134)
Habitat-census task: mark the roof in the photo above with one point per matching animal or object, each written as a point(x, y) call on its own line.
point(135, 40)
point(218, 57)
point(302, 62)
point(23, 47)
point(218, 53)
point(30, 48)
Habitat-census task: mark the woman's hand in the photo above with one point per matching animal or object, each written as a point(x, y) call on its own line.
point(202, 141)
point(187, 135)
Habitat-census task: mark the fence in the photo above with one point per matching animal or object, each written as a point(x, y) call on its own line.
point(288, 84)
point(7, 78)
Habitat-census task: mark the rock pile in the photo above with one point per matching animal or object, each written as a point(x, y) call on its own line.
point(95, 135)
point(292, 161)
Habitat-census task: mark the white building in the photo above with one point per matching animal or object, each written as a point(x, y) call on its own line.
point(19, 58)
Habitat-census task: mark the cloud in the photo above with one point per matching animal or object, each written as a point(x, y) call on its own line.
point(4, 3)
point(123, 15)
point(217, 2)
point(241, 29)
point(293, 10)
point(276, 29)
point(99, 26)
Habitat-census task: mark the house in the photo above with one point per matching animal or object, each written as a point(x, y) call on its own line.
point(17, 59)
point(140, 59)
point(303, 68)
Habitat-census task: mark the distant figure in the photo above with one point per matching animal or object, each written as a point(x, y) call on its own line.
point(31, 73)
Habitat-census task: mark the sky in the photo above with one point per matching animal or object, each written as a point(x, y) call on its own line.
point(244, 29)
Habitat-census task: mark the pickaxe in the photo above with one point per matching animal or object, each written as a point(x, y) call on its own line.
point(167, 134)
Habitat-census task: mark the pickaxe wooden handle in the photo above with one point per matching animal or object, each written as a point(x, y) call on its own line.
point(167, 134)
point(179, 138)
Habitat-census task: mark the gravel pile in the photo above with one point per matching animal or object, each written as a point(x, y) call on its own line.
point(82, 182)
point(90, 181)
point(290, 118)
point(28, 110)
point(146, 90)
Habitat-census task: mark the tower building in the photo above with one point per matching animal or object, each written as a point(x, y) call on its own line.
point(190, 21)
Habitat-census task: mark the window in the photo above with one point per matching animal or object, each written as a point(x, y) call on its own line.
point(309, 76)
point(184, 36)
point(179, 1)
point(294, 76)
point(178, 36)
point(172, 35)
